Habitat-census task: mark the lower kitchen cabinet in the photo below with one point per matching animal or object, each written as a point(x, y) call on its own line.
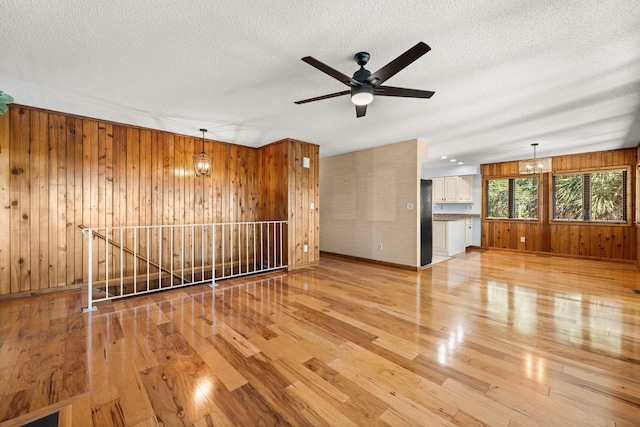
point(449, 237)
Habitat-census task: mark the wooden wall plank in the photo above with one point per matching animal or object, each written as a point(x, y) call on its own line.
point(119, 195)
point(168, 173)
point(90, 195)
point(178, 196)
point(585, 240)
point(39, 206)
point(5, 203)
point(76, 186)
point(20, 199)
point(101, 173)
point(57, 200)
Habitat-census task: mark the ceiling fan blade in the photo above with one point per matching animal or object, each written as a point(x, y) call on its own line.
point(331, 71)
point(361, 110)
point(318, 98)
point(403, 92)
point(389, 70)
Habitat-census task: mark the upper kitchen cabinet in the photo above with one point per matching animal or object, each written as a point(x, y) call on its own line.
point(453, 189)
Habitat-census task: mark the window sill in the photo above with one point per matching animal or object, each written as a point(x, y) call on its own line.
point(595, 223)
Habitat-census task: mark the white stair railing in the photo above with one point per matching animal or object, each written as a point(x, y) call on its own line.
point(128, 261)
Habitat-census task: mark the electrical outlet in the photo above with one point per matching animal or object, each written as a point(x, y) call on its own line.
point(306, 248)
point(522, 239)
point(380, 246)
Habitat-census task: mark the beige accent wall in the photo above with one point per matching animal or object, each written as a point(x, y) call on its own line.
point(364, 203)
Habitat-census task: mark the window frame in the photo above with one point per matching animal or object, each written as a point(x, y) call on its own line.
point(628, 195)
point(485, 199)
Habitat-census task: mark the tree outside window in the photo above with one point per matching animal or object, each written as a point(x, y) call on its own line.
point(512, 198)
point(592, 196)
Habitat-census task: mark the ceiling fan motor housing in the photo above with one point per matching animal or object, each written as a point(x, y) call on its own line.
point(361, 75)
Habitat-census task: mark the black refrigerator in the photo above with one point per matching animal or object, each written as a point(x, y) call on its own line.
point(426, 221)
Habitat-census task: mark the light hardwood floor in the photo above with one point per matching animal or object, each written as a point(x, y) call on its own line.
point(494, 338)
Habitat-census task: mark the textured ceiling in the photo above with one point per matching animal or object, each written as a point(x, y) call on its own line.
point(564, 74)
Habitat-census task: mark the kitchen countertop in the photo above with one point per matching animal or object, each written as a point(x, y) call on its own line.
point(454, 217)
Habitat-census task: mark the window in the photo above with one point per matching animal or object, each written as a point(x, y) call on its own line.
point(592, 196)
point(512, 198)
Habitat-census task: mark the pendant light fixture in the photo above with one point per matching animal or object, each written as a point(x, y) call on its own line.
point(534, 166)
point(203, 163)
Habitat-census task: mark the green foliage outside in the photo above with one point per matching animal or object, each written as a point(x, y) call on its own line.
point(607, 196)
point(526, 198)
point(498, 198)
point(523, 200)
point(568, 191)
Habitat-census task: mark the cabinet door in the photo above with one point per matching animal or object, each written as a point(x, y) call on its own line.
point(439, 238)
point(465, 189)
point(468, 233)
point(455, 237)
point(451, 189)
point(438, 190)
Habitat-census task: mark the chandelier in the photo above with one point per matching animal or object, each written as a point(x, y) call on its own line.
point(203, 163)
point(536, 165)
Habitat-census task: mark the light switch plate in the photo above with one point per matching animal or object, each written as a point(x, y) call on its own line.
point(409, 206)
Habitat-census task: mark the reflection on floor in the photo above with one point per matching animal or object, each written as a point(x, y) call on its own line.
point(436, 259)
point(489, 338)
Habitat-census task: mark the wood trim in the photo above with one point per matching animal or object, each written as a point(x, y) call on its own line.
point(305, 265)
point(71, 412)
point(45, 291)
point(371, 261)
point(560, 255)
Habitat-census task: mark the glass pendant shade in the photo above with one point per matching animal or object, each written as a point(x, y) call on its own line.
point(203, 162)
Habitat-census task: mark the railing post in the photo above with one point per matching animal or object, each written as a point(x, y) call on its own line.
point(89, 235)
point(281, 263)
point(213, 259)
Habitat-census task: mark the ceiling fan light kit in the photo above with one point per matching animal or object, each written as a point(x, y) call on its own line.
point(365, 85)
point(362, 95)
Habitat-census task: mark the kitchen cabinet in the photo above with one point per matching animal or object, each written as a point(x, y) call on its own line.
point(465, 189)
point(453, 189)
point(448, 237)
point(468, 233)
point(439, 239)
point(438, 190)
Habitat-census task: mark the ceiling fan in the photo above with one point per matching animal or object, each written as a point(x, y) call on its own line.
point(365, 85)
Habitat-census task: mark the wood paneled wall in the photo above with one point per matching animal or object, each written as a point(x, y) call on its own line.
point(303, 191)
point(584, 240)
point(59, 171)
point(292, 190)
